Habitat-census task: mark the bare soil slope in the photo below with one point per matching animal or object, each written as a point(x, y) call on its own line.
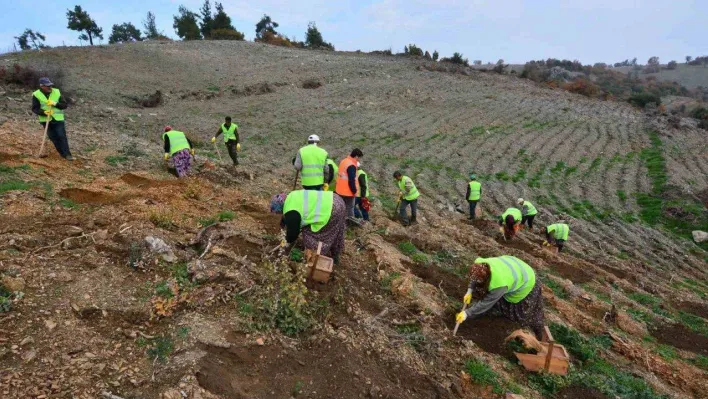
point(94, 310)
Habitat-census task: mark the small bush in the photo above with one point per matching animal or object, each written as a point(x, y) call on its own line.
point(225, 216)
point(206, 222)
point(226, 34)
point(672, 65)
point(160, 348)
point(644, 98)
point(408, 248)
point(456, 59)
point(413, 50)
point(28, 76)
point(583, 87)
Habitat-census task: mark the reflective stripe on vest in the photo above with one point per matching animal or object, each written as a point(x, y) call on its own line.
point(55, 95)
point(408, 195)
point(475, 191)
point(514, 212)
point(366, 180)
point(230, 133)
point(314, 207)
point(512, 273)
point(178, 141)
point(343, 178)
point(560, 231)
point(313, 160)
point(532, 209)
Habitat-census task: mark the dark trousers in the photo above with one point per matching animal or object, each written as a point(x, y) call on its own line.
point(316, 188)
point(403, 212)
point(359, 211)
point(473, 207)
point(528, 219)
point(231, 147)
point(57, 134)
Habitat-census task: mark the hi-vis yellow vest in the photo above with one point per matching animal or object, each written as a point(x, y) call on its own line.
point(55, 95)
point(512, 273)
point(514, 212)
point(475, 191)
point(178, 141)
point(408, 195)
point(313, 162)
point(532, 209)
point(559, 230)
point(230, 133)
point(314, 207)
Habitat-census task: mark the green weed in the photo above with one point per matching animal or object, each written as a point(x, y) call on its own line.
point(388, 280)
point(693, 322)
point(14, 185)
point(213, 88)
point(207, 221)
point(407, 248)
point(296, 255)
point(225, 216)
point(163, 290)
point(502, 176)
point(477, 130)
point(297, 388)
point(162, 219)
point(622, 195)
point(701, 361)
point(558, 168)
point(115, 160)
point(556, 288)
point(482, 374)
point(160, 348)
point(420, 257)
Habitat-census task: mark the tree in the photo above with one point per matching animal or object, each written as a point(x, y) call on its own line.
point(477, 62)
point(413, 50)
point(30, 39)
point(500, 66)
point(151, 31)
point(313, 38)
point(652, 65)
point(125, 32)
point(688, 59)
point(653, 61)
point(265, 25)
point(221, 19)
point(672, 65)
point(186, 24)
point(207, 20)
point(436, 55)
point(80, 21)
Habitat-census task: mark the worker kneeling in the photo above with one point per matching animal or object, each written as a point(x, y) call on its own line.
point(507, 284)
point(511, 220)
point(319, 215)
point(557, 234)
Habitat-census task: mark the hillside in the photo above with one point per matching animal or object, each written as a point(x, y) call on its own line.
point(226, 319)
point(690, 76)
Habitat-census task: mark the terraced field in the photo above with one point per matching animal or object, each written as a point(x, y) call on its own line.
point(630, 186)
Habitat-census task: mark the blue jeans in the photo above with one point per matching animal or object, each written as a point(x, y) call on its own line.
point(57, 134)
point(414, 210)
point(473, 207)
point(359, 211)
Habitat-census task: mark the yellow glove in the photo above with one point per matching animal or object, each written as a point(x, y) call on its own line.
point(467, 299)
point(213, 139)
point(191, 151)
point(460, 317)
point(238, 146)
point(49, 112)
point(167, 156)
point(325, 187)
point(283, 243)
point(400, 196)
point(51, 103)
point(546, 244)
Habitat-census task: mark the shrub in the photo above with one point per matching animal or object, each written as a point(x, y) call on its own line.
point(456, 59)
point(672, 65)
point(28, 76)
point(582, 86)
point(644, 98)
point(413, 50)
point(313, 38)
point(226, 34)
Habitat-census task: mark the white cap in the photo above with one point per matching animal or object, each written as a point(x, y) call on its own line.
point(520, 201)
point(313, 137)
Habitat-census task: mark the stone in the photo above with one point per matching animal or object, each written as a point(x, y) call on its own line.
point(159, 246)
point(13, 284)
point(699, 236)
point(50, 324)
point(260, 341)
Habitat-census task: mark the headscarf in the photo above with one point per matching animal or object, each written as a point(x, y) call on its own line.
point(479, 275)
point(276, 203)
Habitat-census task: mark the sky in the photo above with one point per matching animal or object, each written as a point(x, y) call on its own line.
point(514, 30)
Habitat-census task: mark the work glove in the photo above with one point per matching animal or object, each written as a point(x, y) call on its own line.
point(325, 187)
point(49, 112)
point(284, 244)
point(400, 196)
point(51, 103)
point(546, 244)
point(467, 299)
point(238, 146)
point(213, 139)
point(460, 317)
point(191, 151)
point(167, 156)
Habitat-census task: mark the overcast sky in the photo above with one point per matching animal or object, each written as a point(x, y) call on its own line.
point(515, 30)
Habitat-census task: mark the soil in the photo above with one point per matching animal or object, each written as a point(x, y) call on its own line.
point(438, 277)
point(488, 332)
point(82, 196)
point(699, 309)
point(572, 273)
point(579, 392)
point(327, 369)
point(144, 182)
point(681, 337)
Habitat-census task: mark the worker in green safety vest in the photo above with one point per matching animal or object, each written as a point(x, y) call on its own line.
point(511, 220)
point(509, 285)
point(231, 138)
point(49, 105)
point(557, 234)
point(179, 151)
point(408, 195)
point(362, 204)
point(528, 212)
point(474, 194)
point(319, 215)
point(311, 162)
point(332, 175)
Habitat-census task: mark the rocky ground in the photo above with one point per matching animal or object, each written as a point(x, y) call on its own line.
point(123, 280)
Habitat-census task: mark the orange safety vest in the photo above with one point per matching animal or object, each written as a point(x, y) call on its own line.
point(343, 180)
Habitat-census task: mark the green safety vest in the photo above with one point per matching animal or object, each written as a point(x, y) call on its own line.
point(514, 212)
point(475, 191)
point(410, 195)
point(313, 160)
point(532, 209)
point(178, 141)
point(54, 96)
point(335, 173)
point(230, 133)
point(560, 231)
point(314, 207)
point(366, 180)
point(512, 273)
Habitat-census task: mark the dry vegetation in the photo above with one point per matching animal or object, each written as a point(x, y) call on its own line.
point(221, 319)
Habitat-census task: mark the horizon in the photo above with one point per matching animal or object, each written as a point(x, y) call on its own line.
point(605, 31)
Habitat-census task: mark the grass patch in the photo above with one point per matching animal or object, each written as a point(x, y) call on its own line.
point(558, 168)
point(693, 322)
point(388, 280)
point(14, 185)
point(502, 176)
point(225, 216)
point(68, 204)
point(622, 195)
point(482, 374)
point(115, 160)
point(556, 288)
point(700, 361)
point(162, 220)
point(535, 181)
point(207, 221)
point(407, 248)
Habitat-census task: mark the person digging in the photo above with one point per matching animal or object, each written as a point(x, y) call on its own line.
point(231, 138)
point(528, 212)
point(473, 195)
point(557, 235)
point(507, 284)
point(408, 195)
point(511, 221)
point(49, 105)
point(179, 151)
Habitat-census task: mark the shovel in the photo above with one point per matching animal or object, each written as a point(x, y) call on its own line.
point(297, 174)
point(216, 147)
point(44, 137)
point(457, 325)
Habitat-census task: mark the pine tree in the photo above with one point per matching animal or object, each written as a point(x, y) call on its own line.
point(185, 24)
point(80, 20)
